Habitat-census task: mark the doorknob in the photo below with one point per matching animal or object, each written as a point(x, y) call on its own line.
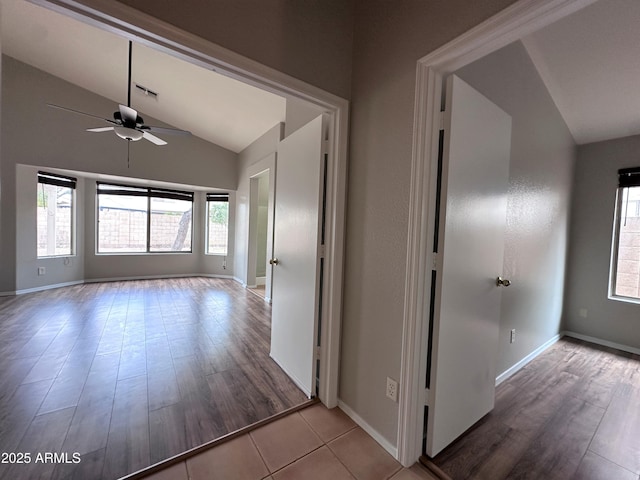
point(502, 282)
point(274, 261)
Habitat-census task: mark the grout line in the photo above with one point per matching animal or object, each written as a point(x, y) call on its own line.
point(142, 473)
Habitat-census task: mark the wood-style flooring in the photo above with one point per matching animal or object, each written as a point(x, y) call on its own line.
point(572, 413)
point(127, 374)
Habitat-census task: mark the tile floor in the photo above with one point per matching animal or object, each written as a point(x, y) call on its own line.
point(312, 444)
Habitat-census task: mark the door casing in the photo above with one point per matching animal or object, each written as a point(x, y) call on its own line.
point(516, 21)
point(133, 24)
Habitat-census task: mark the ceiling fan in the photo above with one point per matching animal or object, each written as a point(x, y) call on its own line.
point(126, 123)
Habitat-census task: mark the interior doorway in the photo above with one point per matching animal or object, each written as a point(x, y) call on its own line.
point(521, 19)
point(261, 205)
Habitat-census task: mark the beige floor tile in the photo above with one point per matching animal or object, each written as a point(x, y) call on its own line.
point(364, 458)
point(284, 441)
point(175, 472)
point(328, 424)
point(237, 459)
point(318, 465)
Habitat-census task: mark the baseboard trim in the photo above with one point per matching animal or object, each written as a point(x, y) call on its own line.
point(604, 343)
point(513, 369)
point(48, 287)
point(111, 279)
point(373, 433)
point(261, 280)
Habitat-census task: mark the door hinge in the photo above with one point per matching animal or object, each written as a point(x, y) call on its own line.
point(441, 120)
point(425, 397)
point(434, 261)
point(321, 251)
point(318, 352)
point(325, 147)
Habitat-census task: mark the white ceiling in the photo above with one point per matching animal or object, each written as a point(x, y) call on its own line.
point(213, 107)
point(590, 63)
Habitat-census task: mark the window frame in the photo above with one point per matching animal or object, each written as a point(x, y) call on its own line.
point(55, 179)
point(627, 178)
point(149, 192)
point(210, 198)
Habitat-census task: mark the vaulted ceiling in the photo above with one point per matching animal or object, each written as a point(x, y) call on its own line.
point(213, 107)
point(590, 63)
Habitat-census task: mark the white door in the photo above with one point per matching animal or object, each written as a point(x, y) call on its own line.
point(475, 175)
point(296, 243)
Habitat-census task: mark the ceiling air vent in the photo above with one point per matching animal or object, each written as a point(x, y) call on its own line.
point(146, 91)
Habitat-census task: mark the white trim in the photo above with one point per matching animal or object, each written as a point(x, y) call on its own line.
point(240, 281)
point(47, 287)
point(604, 343)
point(373, 433)
point(134, 24)
point(111, 279)
point(518, 366)
point(514, 22)
point(261, 281)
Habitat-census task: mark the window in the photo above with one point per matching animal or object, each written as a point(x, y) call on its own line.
point(134, 219)
point(217, 223)
point(55, 215)
point(625, 257)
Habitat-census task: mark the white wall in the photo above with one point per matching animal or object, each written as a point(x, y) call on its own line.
point(540, 176)
point(592, 218)
point(36, 135)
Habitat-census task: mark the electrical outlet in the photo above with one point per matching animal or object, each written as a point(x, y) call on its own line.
point(392, 389)
point(41, 271)
point(582, 312)
point(512, 338)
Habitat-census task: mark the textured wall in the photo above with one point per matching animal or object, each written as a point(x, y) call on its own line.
point(593, 207)
point(389, 39)
point(540, 175)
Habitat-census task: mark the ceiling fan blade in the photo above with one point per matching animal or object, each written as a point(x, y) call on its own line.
point(153, 138)
point(80, 113)
point(128, 114)
point(163, 130)
point(100, 129)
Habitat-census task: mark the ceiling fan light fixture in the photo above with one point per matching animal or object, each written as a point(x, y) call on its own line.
point(128, 133)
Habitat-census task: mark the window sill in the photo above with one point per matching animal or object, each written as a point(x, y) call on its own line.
point(619, 298)
point(73, 255)
point(138, 254)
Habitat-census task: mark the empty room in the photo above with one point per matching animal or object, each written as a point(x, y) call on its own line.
point(369, 239)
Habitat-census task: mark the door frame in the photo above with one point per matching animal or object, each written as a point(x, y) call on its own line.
point(265, 166)
point(516, 21)
point(133, 24)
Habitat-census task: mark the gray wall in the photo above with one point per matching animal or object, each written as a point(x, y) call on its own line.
point(58, 269)
point(36, 135)
point(540, 175)
point(592, 216)
point(388, 42)
point(310, 40)
point(251, 161)
point(388, 39)
point(262, 224)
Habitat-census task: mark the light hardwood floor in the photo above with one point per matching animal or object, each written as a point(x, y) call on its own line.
point(130, 373)
point(572, 413)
